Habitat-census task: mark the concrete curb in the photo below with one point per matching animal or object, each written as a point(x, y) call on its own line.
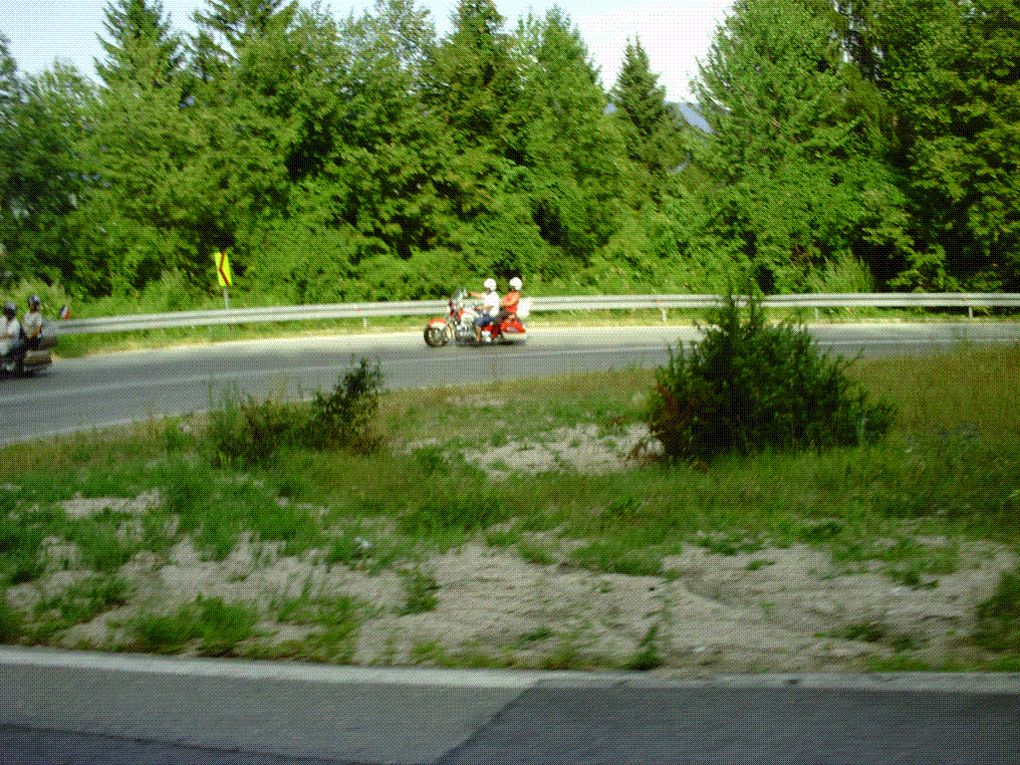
point(955, 682)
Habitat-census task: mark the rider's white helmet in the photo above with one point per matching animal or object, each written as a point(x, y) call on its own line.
point(490, 284)
point(516, 283)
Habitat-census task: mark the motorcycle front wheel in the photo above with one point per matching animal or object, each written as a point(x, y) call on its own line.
point(436, 337)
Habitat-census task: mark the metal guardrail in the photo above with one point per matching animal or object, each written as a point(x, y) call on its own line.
point(135, 322)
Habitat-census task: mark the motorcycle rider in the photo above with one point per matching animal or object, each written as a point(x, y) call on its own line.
point(10, 335)
point(489, 308)
point(32, 323)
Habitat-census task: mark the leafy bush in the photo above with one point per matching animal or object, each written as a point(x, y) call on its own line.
point(750, 387)
point(343, 419)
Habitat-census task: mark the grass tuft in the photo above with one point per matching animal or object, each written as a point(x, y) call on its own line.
point(420, 591)
point(998, 617)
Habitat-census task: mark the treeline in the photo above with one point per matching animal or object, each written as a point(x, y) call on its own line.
point(866, 144)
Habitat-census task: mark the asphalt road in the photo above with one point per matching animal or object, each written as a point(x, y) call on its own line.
point(61, 707)
point(88, 709)
point(93, 392)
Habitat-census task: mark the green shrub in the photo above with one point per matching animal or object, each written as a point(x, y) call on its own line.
point(344, 418)
point(749, 387)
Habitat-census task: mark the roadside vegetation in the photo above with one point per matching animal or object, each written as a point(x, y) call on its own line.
point(531, 524)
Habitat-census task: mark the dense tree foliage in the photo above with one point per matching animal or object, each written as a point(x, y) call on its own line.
point(853, 144)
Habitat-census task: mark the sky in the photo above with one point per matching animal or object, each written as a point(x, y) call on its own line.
point(675, 34)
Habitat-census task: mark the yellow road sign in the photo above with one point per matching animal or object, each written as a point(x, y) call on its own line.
point(223, 268)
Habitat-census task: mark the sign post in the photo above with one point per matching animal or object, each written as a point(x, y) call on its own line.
point(223, 274)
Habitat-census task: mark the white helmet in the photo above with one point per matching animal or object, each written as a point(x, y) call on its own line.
point(490, 284)
point(516, 283)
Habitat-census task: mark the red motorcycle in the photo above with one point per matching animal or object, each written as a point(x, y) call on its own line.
point(458, 325)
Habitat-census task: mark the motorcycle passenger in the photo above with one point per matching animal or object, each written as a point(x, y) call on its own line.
point(10, 335)
point(489, 308)
point(32, 324)
point(511, 300)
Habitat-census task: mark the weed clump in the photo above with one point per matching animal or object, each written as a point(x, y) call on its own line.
point(217, 626)
point(344, 418)
point(251, 431)
point(998, 618)
point(11, 622)
point(750, 387)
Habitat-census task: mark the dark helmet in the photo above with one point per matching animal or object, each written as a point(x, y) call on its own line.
point(10, 309)
point(34, 301)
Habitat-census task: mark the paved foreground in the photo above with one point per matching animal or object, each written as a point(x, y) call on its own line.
point(74, 707)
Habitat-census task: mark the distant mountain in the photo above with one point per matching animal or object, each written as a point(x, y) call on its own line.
point(687, 112)
point(692, 116)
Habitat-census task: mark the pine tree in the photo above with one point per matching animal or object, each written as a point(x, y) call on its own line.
point(141, 48)
point(9, 96)
point(637, 93)
point(471, 76)
point(653, 133)
point(568, 147)
point(236, 22)
point(950, 71)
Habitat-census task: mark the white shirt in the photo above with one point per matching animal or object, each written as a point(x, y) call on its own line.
point(491, 302)
point(11, 331)
point(31, 323)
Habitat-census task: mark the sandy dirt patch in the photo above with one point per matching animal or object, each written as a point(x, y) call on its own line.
point(712, 614)
point(583, 448)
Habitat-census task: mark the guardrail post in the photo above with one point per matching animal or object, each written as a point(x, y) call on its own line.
point(970, 312)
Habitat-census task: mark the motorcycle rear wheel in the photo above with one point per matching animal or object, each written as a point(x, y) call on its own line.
point(436, 337)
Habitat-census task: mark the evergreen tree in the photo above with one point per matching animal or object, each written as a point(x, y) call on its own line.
point(141, 48)
point(252, 64)
point(798, 188)
point(567, 144)
point(471, 75)
point(950, 70)
point(637, 94)
point(9, 97)
point(652, 130)
point(236, 22)
point(141, 153)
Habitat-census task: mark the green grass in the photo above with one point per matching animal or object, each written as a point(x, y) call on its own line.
point(216, 628)
point(11, 622)
point(948, 470)
point(84, 600)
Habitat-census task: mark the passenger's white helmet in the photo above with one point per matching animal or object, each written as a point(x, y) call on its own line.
point(490, 284)
point(516, 283)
